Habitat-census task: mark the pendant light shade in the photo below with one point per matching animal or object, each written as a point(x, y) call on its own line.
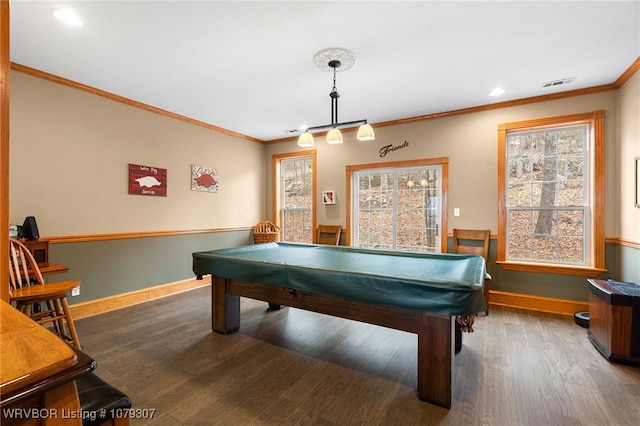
point(334, 60)
point(306, 140)
point(365, 133)
point(334, 136)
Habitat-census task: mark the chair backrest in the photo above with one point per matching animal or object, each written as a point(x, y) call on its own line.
point(328, 234)
point(23, 268)
point(472, 241)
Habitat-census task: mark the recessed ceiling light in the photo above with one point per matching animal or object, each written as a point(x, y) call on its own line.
point(67, 16)
point(496, 92)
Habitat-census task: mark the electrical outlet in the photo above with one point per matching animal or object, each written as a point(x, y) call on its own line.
point(75, 291)
point(456, 212)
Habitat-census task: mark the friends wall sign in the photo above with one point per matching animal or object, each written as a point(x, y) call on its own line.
point(390, 148)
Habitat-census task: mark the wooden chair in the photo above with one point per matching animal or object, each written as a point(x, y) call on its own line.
point(28, 291)
point(328, 234)
point(471, 241)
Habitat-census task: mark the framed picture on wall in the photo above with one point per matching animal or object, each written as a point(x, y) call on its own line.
point(328, 197)
point(147, 180)
point(204, 179)
point(637, 182)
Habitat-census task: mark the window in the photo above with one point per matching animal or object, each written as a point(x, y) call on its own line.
point(551, 192)
point(294, 175)
point(398, 206)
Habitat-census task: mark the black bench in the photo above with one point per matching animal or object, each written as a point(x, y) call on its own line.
point(101, 403)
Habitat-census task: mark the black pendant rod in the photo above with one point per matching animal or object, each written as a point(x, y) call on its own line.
point(335, 64)
point(334, 92)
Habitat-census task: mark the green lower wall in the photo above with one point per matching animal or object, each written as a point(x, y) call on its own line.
point(627, 263)
point(111, 267)
point(541, 284)
point(107, 268)
point(622, 263)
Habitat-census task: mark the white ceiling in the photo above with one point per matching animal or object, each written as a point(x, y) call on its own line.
point(248, 66)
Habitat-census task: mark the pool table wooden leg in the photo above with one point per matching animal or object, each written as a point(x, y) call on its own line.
point(458, 337)
point(225, 308)
point(435, 358)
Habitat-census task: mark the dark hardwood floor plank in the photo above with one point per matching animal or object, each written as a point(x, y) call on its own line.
point(290, 367)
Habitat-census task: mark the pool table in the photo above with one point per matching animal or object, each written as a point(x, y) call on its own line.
point(420, 293)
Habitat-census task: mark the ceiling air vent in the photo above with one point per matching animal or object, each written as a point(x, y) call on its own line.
point(560, 82)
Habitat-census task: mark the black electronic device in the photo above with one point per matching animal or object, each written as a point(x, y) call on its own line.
point(30, 228)
point(582, 319)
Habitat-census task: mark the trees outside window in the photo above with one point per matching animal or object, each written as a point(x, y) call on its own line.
point(550, 187)
point(295, 201)
point(398, 206)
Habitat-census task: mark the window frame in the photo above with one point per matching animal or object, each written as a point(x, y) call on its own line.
point(397, 210)
point(443, 162)
point(595, 257)
point(276, 162)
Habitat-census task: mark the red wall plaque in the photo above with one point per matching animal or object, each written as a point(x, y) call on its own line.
point(147, 180)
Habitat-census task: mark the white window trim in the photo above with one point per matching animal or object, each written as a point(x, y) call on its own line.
point(595, 256)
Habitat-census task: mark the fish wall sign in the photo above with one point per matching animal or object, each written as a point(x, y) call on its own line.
point(146, 180)
point(204, 179)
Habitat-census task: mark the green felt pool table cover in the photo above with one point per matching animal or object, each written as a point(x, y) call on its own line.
point(448, 284)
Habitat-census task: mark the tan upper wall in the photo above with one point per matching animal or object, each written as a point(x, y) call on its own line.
point(629, 139)
point(70, 152)
point(470, 143)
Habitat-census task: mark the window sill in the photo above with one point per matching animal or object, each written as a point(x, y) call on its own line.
point(549, 268)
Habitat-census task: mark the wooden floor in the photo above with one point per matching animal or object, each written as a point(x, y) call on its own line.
point(296, 367)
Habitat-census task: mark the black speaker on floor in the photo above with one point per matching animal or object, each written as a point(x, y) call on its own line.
point(30, 228)
point(582, 319)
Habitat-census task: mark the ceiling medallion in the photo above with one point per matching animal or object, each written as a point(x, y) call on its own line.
point(334, 60)
point(345, 57)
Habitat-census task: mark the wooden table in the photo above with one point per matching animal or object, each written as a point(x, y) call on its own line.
point(38, 372)
point(414, 292)
point(54, 268)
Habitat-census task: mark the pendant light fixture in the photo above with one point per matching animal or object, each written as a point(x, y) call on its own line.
point(335, 60)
